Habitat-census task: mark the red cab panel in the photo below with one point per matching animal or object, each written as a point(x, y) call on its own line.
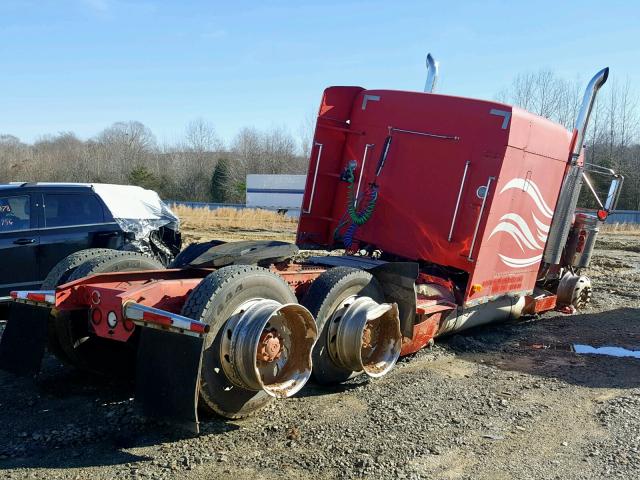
point(458, 182)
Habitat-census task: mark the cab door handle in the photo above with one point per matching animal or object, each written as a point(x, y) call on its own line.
point(25, 241)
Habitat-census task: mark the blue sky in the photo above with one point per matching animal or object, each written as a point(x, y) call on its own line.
point(80, 65)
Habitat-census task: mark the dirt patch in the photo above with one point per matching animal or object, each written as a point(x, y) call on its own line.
point(483, 404)
point(631, 245)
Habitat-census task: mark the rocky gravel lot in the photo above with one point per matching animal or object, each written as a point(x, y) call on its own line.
point(505, 401)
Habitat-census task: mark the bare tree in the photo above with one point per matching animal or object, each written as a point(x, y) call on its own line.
point(614, 127)
point(201, 137)
point(123, 146)
point(200, 153)
point(270, 152)
point(306, 132)
point(13, 157)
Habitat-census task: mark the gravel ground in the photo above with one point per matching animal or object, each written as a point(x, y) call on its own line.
point(505, 401)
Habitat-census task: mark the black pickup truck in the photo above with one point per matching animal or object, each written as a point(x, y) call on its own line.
point(42, 223)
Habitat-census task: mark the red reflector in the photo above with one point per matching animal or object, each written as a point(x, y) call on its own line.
point(95, 297)
point(602, 215)
point(195, 327)
point(128, 325)
point(96, 316)
point(152, 317)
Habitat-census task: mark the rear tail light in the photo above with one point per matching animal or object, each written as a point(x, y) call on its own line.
point(96, 316)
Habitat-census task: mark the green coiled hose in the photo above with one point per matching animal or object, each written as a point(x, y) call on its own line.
point(362, 217)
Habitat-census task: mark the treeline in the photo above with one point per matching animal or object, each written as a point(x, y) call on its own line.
point(200, 167)
point(613, 135)
point(197, 168)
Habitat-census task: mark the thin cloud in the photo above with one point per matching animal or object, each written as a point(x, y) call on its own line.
point(215, 34)
point(99, 6)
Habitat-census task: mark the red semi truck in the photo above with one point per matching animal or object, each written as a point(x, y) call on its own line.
point(452, 213)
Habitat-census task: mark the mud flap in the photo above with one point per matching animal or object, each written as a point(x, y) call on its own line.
point(398, 282)
point(168, 377)
point(24, 339)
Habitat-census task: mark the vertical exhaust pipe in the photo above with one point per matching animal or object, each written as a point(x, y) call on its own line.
point(582, 121)
point(433, 72)
point(572, 183)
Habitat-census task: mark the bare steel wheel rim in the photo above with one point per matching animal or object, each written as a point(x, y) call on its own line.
point(364, 335)
point(267, 346)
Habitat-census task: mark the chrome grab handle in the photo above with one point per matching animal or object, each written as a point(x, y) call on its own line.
point(455, 211)
point(423, 134)
point(315, 177)
point(475, 232)
point(364, 160)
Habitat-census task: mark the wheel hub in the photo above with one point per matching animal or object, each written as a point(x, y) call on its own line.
point(574, 290)
point(270, 348)
point(365, 336)
point(267, 346)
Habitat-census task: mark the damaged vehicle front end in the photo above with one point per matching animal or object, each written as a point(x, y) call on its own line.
point(43, 223)
point(149, 225)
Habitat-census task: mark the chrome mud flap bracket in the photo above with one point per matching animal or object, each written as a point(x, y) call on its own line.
point(168, 377)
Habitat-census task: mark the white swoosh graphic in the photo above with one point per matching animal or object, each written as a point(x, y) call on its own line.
point(542, 226)
point(524, 228)
point(515, 233)
point(511, 230)
point(542, 229)
point(519, 229)
point(519, 262)
point(531, 189)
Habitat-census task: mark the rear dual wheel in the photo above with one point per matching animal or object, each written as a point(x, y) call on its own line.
point(223, 295)
point(70, 338)
point(59, 275)
point(328, 298)
point(217, 299)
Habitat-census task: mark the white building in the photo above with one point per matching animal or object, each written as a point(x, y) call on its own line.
point(276, 192)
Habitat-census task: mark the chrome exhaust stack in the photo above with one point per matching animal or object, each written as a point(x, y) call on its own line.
point(267, 346)
point(572, 183)
point(366, 338)
point(588, 100)
point(433, 72)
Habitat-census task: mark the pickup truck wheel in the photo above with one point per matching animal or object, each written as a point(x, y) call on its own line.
point(214, 301)
point(59, 275)
point(85, 350)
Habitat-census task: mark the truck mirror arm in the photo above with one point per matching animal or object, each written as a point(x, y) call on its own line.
point(614, 188)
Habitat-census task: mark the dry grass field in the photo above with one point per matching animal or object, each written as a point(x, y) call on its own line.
point(624, 228)
point(228, 224)
point(202, 224)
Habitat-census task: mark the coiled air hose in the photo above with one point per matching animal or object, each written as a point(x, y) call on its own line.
point(358, 216)
point(362, 217)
